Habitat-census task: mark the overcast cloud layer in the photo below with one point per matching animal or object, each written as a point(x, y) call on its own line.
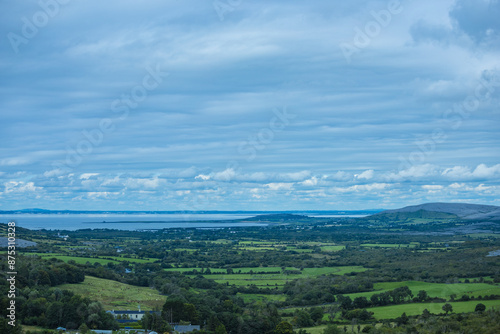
point(248, 104)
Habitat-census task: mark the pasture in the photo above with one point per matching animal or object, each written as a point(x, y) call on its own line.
point(441, 290)
point(394, 311)
point(267, 276)
point(82, 259)
point(117, 296)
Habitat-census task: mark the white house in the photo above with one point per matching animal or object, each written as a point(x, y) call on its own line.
point(130, 315)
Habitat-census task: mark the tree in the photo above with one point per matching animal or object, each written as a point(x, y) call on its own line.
point(284, 328)
point(316, 313)
point(403, 319)
point(190, 313)
point(426, 314)
point(173, 309)
point(345, 302)
point(480, 308)
point(154, 321)
point(360, 302)
point(367, 329)
point(422, 296)
point(221, 329)
point(303, 319)
point(447, 308)
point(55, 314)
point(83, 329)
point(331, 329)
point(332, 311)
point(8, 329)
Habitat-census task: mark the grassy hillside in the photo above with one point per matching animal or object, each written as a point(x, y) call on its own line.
point(117, 296)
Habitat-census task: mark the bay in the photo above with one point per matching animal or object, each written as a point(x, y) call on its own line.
point(128, 222)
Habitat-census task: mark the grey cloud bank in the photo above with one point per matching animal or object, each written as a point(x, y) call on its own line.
point(412, 117)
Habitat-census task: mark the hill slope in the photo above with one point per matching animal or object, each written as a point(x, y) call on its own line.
point(445, 210)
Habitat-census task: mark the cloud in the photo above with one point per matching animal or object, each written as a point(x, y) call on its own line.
point(17, 161)
point(457, 185)
point(374, 187)
point(53, 172)
point(99, 194)
point(351, 124)
point(136, 183)
point(226, 175)
point(417, 171)
point(183, 192)
point(478, 19)
point(86, 176)
point(481, 171)
point(279, 186)
point(366, 175)
point(313, 181)
point(432, 188)
point(423, 31)
point(457, 172)
point(20, 187)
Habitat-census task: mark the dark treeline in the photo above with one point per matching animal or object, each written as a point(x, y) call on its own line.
point(39, 304)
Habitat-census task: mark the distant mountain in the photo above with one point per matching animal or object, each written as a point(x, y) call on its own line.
point(443, 210)
point(279, 218)
point(34, 210)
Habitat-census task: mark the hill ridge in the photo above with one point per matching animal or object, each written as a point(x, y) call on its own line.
point(460, 210)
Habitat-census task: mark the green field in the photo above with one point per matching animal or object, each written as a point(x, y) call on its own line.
point(77, 259)
point(279, 279)
point(244, 270)
point(411, 245)
point(270, 277)
point(334, 248)
point(83, 260)
point(129, 259)
point(435, 289)
point(191, 250)
point(295, 247)
point(259, 249)
point(247, 297)
point(117, 296)
point(394, 311)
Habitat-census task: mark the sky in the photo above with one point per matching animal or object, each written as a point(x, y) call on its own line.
point(248, 104)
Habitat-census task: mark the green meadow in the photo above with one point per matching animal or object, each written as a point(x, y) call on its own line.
point(281, 278)
point(77, 259)
point(394, 311)
point(267, 276)
point(441, 290)
point(410, 245)
point(248, 297)
point(82, 260)
point(117, 296)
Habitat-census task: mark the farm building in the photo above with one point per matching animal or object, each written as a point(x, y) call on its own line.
point(128, 315)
